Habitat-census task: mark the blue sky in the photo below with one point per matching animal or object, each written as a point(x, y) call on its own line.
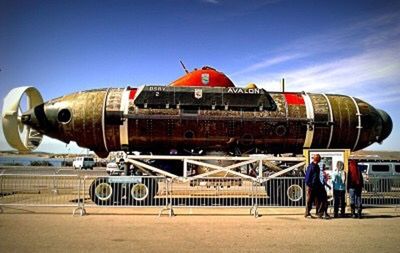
point(345, 47)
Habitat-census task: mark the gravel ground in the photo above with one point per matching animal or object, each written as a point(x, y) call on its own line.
point(196, 230)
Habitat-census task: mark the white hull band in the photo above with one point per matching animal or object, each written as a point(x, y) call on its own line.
point(103, 121)
point(310, 116)
point(330, 120)
point(123, 129)
point(359, 127)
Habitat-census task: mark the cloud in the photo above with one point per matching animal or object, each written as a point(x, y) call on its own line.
point(211, 1)
point(236, 9)
point(353, 71)
point(390, 96)
point(269, 62)
point(362, 59)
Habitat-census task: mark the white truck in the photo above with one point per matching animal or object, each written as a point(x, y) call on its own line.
point(380, 176)
point(83, 163)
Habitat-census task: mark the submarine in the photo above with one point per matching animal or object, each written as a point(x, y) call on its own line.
point(200, 111)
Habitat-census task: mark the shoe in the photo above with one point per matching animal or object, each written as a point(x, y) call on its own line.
point(327, 216)
point(353, 210)
point(308, 215)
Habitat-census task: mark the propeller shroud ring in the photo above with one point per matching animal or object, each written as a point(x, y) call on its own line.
point(11, 121)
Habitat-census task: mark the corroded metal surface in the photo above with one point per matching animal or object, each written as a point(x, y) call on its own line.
point(112, 119)
point(276, 123)
point(322, 120)
point(85, 124)
point(371, 124)
point(345, 121)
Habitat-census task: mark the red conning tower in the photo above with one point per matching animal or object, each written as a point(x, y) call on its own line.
point(204, 77)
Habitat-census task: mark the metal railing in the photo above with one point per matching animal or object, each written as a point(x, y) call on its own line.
point(213, 192)
point(88, 191)
point(39, 190)
point(124, 191)
point(283, 192)
point(379, 191)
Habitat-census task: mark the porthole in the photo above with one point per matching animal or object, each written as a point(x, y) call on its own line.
point(64, 116)
point(280, 130)
point(189, 134)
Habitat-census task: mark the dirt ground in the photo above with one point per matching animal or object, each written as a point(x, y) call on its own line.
point(226, 230)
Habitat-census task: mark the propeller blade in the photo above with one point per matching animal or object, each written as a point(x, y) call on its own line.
point(28, 131)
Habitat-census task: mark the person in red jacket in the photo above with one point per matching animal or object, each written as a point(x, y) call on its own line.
point(355, 184)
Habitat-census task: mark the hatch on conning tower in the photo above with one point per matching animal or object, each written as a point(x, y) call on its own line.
point(205, 77)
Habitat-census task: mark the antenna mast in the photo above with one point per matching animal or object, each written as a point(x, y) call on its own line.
point(184, 68)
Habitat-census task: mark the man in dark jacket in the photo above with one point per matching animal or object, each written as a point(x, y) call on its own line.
point(313, 184)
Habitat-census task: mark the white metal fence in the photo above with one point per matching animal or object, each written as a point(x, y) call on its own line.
point(87, 191)
point(380, 191)
point(39, 190)
point(124, 191)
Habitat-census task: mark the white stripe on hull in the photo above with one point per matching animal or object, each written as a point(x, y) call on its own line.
point(359, 127)
point(310, 116)
point(123, 129)
point(103, 120)
point(330, 120)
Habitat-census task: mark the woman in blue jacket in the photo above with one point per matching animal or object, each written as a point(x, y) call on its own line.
point(339, 189)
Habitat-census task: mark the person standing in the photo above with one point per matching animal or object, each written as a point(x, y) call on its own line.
point(313, 184)
point(338, 183)
point(322, 207)
point(355, 184)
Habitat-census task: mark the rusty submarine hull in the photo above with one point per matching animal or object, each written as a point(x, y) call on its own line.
point(203, 110)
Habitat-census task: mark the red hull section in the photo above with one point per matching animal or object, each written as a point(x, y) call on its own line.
point(204, 77)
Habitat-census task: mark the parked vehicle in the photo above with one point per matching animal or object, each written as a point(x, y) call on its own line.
point(113, 168)
point(380, 176)
point(83, 163)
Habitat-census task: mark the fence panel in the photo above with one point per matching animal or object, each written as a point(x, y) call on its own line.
point(282, 192)
point(213, 192)
point(381, 191)
point(39, 190)
point(124, 191)
point(145, 191)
